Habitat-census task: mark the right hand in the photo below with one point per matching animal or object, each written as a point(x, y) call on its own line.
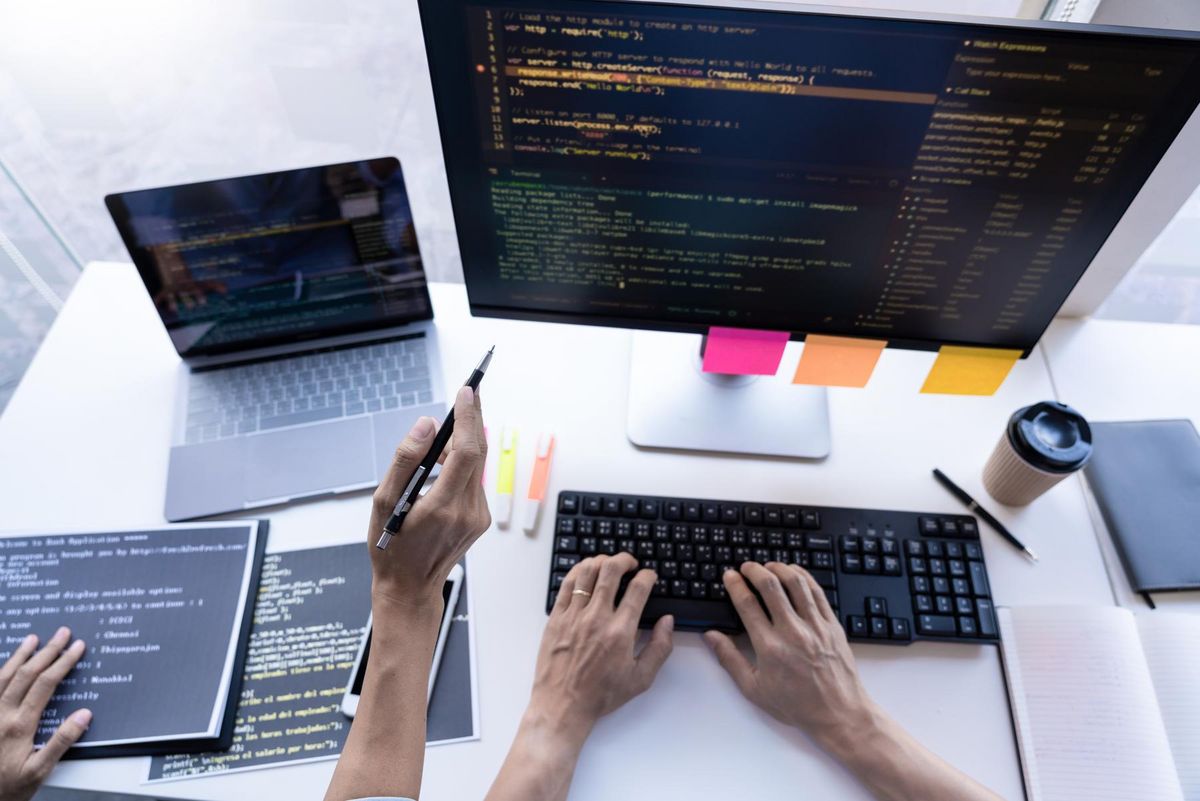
point(444, 522)
point(804, 673)
point(27, 682)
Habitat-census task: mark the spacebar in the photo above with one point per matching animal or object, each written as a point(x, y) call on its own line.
point(693, 615)
point(296, 418)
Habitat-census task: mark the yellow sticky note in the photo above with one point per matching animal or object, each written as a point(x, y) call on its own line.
point(837, 361)
point(970, 371)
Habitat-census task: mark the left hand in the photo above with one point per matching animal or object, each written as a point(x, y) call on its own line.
point(587, 666)
point(27, 681)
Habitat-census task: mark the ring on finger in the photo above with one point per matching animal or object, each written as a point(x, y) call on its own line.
point(584, 593)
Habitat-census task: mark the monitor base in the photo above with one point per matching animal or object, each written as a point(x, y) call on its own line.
point(674, 404)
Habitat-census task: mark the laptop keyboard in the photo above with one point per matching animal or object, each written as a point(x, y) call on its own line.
point(232, 401)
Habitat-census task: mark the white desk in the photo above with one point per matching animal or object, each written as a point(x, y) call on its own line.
point(84, 442)
point(1118, 370)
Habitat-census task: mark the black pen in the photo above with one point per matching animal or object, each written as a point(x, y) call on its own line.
point(409, 496)
point(961, 494)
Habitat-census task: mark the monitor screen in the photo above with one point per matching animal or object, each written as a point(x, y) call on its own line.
point(278, 258)
point(676, 167)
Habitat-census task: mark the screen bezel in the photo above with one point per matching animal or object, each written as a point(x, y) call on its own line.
point(464, 180)
point(115, 203)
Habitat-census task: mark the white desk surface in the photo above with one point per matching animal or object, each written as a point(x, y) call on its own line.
point(1120, 370)
point(84, 443)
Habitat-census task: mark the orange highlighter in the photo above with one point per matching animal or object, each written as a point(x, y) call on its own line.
point(538, 481)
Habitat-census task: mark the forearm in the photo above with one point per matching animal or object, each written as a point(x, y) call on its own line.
point(894, 766)
point(385, 750)
point(541, 761)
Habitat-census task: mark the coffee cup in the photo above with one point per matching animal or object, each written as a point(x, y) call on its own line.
point(1041, 445)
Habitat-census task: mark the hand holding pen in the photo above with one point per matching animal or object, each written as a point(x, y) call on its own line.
point(438, 528)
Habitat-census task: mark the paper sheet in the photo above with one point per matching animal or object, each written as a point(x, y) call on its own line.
point(744, 351)
point(1171, 643)
point(837, 361)
point(1088, 721)
point(969, 371)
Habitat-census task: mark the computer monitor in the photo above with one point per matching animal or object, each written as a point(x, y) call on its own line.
point(674, 167)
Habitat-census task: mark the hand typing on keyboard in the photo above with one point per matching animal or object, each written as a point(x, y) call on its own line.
point(587, 666)
point(804, 675)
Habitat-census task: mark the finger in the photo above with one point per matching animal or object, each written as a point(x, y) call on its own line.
point(637, 592)
point(737, 666)
point(771, 590)
point(15, 692)
point(408, 455)
point(48, 680)
point(608, 579)
point(68, 733)
point(462, 467)
point(655, 652)
point(18, 658)
point(797, 590)
point(820, 600)
point(747, 606)
point(563, 600)
point(585, 580)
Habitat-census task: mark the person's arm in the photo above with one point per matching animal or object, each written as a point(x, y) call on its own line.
point(385, 751)
point(804, 675)
point(27, 682)
point(587, 666)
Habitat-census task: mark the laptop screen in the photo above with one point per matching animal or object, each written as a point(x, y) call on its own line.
point(277, 258)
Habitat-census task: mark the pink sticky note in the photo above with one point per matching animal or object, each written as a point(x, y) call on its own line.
point(744, 351)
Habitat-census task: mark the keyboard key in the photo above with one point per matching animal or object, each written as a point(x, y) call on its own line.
point(871, 564)
point(891, 566)
point(729, 514)
point(957, 567)
point(608, 546)
point(856, 626)
point(937, 567)
point(629, 507)
point(870, 545)
point(877, 606)
point(772, 516)
point(973, 550)
point(848, 544)
point(822, 560)
point(964, 606)
point(673, 510)
point(810, 519)
point(879, 627)
point(919, 584)
point(960, 586)
point(928, 527)
point(940, 585)
point(753, 515)
point(825, 578)
point(943, 604)
point(556, 579)
point(922, 603)
point(914, 547)
point(710, 513)
point(649, 510)
point(969, 529)
point(900, 629)
point(679, 588)
point(987, 622)
point(612, 506)
point(691, 511)
point(818, 542)
point(936, 625)
point(588, 546)
point(979, 582)
point(565, 525)
point(791, 516)
point(568, 504)
point(592, 505)
point(565, 561)
point(966, 627)
point(954, 550)
point(934, 548)
point(567, 544)
point(851, 563)
point(950, 528)
point(889, 547)
point(299, 418)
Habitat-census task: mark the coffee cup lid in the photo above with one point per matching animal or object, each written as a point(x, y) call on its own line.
point(1052, 436)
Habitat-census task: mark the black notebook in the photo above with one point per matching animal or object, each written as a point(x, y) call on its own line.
point(165, 613)
point(1146, 479)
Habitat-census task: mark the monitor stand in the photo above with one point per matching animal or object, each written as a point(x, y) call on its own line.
point(673, 403)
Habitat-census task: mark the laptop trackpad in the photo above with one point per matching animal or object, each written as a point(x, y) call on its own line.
point(303, 461)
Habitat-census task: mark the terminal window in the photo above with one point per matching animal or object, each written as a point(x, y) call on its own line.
point(915, 181)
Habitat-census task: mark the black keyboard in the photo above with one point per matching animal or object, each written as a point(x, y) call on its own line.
point(891, 577)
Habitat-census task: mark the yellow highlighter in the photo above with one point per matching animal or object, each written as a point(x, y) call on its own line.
point(538, 481)
point(506, 471)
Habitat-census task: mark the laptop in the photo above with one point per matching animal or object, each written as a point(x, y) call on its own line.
point(297, 301)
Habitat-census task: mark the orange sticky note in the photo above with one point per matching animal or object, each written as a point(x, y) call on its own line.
point(837, 361)
point(743, 351)
point(969, 371)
